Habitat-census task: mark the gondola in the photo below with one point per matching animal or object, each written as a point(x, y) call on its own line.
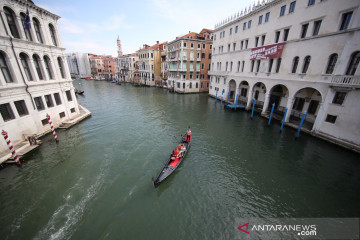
point(171, 165)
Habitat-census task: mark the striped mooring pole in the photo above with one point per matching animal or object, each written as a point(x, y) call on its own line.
point(52, 128)
point(12, 150)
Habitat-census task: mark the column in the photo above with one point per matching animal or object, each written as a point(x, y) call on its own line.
point(289, 106)
point(20, 28)
point(43, 69)
point(33, 69)
point(3, 32)
point(319, 117)
point(250, 97)
point(266, 103)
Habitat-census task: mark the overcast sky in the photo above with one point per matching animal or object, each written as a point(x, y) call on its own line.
point(89, 26)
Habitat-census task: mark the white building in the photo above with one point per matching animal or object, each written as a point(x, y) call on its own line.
point(79, 65)
point(34, 78)
point(127, 67)
point(316, 73)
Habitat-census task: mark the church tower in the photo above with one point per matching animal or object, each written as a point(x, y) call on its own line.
point(120, 53)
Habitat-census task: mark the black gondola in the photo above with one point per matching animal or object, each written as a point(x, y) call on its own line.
point(172, 164)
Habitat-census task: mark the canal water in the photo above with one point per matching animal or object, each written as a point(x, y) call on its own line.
point(96, 183)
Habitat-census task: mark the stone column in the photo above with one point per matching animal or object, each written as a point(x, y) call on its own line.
point(33, 69)
point(250, 97)
point(20, 27)
point(266, 103)
point(319, 117)
point(289, 106)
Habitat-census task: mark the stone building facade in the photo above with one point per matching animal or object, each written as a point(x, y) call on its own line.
point(301, 56)
point(34, 77)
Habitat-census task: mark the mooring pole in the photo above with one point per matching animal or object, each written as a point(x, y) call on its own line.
point(271, 113)
point(216, 95)
point(222, 93)
point(253, 107)
point(11, 148)
point(300, 125)
point(227, 99)
point(283, 121)
point(236, 97)
point(52, 128)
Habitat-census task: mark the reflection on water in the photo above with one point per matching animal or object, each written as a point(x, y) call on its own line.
point(96, 183)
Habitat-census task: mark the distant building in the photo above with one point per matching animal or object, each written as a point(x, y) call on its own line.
point(150, 64)
point(188, 59)
point(34, 78)
point(301, 56)
point(102, 67)
point(79, 65)
point(127, 67)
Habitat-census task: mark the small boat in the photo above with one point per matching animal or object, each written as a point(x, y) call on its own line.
point(172, 164)
point(77, 91)
point(89, 78)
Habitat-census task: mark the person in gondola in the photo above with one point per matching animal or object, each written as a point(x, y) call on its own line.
point(188, 135)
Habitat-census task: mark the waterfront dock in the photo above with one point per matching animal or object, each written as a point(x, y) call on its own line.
point(84, 113)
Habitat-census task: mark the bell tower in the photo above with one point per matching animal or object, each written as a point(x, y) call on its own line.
point(120, 53)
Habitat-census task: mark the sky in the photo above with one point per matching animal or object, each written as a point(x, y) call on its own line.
point(93, 26)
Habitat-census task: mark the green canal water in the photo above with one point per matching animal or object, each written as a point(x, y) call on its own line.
point(96, 183)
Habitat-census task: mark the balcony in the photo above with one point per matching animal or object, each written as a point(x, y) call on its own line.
point(345, 81)
point(198, 59)
point(218, 73)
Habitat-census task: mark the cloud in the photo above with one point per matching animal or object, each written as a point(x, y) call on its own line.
point(68, 26)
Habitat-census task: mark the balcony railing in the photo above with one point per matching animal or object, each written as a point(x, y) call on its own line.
point(346, 80)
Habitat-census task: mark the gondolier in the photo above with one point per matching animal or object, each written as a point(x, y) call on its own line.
point(188, 135)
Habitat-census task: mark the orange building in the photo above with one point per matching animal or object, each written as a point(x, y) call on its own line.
point(102, 67)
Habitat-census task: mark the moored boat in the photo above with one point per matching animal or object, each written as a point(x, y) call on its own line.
point(173, 162)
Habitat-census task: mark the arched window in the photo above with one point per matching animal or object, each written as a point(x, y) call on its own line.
point(295, 64)
point(5, 69)
point(331, 63)
point(306, 64)
point(52, 33)
point(26, 30)
point(25, 63)
point(36, 25)
point(354, 63)
point(61, 67)
point(37, 66)
point(48, 66)
point(10, 17)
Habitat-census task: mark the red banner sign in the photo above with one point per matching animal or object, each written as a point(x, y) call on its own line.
point(269, 51)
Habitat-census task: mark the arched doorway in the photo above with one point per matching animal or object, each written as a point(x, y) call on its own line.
point(243, 92)
point(232, 89)
point(259, 91)
point(306, 100)
point(279, 95)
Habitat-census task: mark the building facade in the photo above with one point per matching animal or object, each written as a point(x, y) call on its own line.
point(188, 60)
point(79, 65)
point(149, 61)
point(127, 66)
point(34, 79)
point(301, 56)
point(102, 67)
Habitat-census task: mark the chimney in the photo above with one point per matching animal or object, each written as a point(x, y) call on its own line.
point(189, 31)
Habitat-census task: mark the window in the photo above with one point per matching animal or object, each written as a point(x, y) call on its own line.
point(243, 92)
point(62, 114)
point(230, 31)
point(278, 63)
point(243, 65)
point(317, 25)
point(184, 85)
point(47, 65)
point(286, 34)
point(178, 85)
point(271, 61)
point(249, 24)
point(339, 98)
point(10, 17)
point(354, 63)
point(226, 66)
point(57, 98)
point(292, 7)
point(260, 19)
point(236, 29)
point(244, 26)
point(52, 33)
point(330, 118)
point(61, 67)
point(345, 20)
point(306, 64)
point(299, 104)
point(277, 36)
point(26, 30)
point(262, 40)
point(39, 103)
point(37, 66)
point(304, 29)
point(21, 108)
point(36, 25)
point(228, 47)
point(311, 2)
point(68, 95)
point(331, 64)
point(267, 16)
point(24, 61)
point(241, 45)
point(72, 110)
point(246, 43)
point(282, 10)
point(44, 121)
point(295, 64)
point(238, 66)
point(4, 69)
point(313, 107)
point(231, 66)
point(6, 112)
point(184, 44)
point(252, 65)
point(234, 46)
point(191, 45)
point(256, 41)
point(258, 66)
point(49, 101)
